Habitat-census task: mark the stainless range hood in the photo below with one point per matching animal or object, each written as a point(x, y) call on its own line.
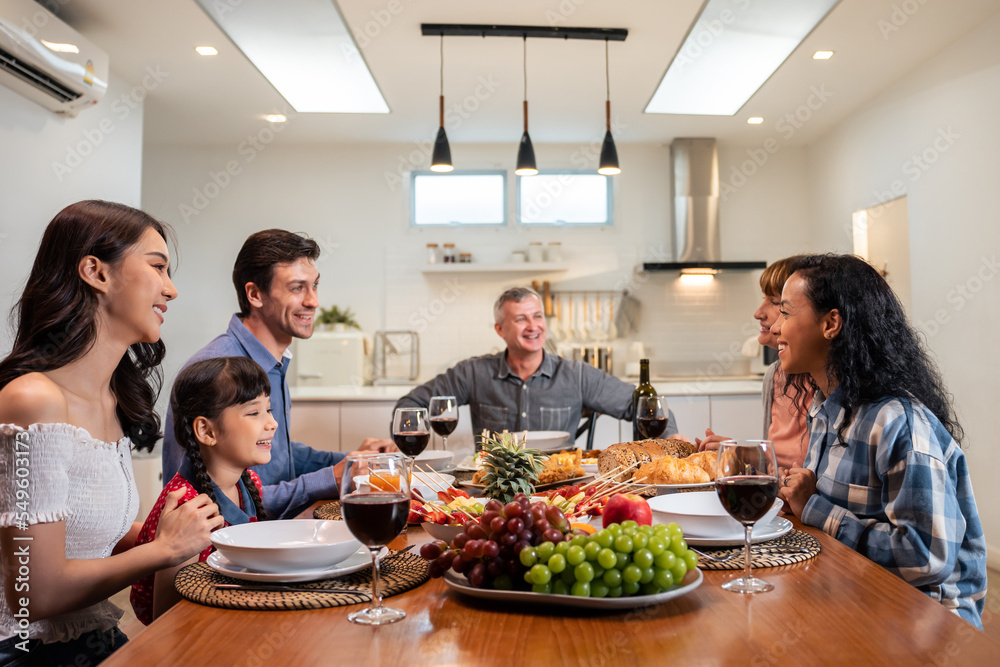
point(695, 191)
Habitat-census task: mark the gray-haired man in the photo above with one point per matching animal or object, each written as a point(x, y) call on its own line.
point(509, 389)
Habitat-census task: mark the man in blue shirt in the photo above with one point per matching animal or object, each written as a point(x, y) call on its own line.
point(276, 283)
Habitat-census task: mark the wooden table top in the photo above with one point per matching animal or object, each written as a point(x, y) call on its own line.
point(836, 608)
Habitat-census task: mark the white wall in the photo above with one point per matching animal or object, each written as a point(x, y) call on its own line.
point(341, 195)
point(935, 137)
point(50, 162)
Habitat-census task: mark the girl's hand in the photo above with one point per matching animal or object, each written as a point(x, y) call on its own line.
point(184, 531)
point(796, 486)
point(711, 441)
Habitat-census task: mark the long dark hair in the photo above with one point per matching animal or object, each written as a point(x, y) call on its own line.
point(205, 389)
point(56, 316)
point(877, 354)
point(260, 253)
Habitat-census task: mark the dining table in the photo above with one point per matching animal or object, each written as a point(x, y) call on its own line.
point(836, 608)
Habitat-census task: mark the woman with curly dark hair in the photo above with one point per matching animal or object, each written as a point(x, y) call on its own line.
point(222, 419)
point(76, 391)
point(884, 474)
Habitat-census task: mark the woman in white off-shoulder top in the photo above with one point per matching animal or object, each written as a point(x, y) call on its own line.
point(76, 393)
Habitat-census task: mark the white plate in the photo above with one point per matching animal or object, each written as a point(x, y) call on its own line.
point(436, 459)
point(772, 531)
point(664, 489)
point(701, 513)
point(286, 545)
point(546, 441)
point(354, 563)
point(589, 467)
point(458, 582)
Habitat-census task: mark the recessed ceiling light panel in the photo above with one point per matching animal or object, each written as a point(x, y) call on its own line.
point(207, 50)
point(303, 47)
point(822, 55)
point(732, 49)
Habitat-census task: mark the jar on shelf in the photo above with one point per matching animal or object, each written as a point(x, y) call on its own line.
point(535, 252)
point(553, 253)
point(448, 255)
point(465, 258)
point(433, 253)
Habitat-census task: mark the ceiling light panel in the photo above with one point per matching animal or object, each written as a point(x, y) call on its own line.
point(731, 50)
point(305, 50)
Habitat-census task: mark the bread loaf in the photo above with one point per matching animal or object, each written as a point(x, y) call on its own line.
point(629, 456)
point(706, 461)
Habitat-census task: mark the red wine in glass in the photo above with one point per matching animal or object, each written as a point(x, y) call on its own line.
point(375, 518)
point(747, 497)
point(412, 443)
point(652, 427)
point(444, 426)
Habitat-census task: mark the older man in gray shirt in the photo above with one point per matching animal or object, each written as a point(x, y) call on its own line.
point(524, 388)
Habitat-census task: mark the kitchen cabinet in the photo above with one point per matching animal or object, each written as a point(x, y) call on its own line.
point(317, 424)
point(739, 417)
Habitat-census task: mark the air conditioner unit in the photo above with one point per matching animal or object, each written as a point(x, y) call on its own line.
point(48, 62)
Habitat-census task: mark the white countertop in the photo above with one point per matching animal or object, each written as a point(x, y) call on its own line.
point(687, 387)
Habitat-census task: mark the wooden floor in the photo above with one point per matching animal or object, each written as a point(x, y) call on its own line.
point(131, 626)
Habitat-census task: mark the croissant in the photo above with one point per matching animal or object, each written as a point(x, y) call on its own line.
point(706, 461)
point(669, 470)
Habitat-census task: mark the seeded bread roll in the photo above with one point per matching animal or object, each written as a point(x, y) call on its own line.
point(630, 455)
point(670, 447)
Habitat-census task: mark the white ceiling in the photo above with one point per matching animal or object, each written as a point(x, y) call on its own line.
point(222, 99)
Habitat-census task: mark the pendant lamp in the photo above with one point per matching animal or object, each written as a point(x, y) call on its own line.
point(608, 164)
point(441, 157)
point(526, 152)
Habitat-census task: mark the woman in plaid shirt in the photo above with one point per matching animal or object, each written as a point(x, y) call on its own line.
point(884, 473)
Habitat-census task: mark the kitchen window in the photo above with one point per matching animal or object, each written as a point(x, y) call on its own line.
point(564, 198)
point(459, 198)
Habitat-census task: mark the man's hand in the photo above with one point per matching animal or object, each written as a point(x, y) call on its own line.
point(711, 441)
point(376, 445)
point(796, 487)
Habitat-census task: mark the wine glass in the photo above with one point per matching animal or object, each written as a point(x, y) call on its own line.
point(410, 430)
point(651, 416)
point(746, 479)
point(376, 514)
point(444, 417)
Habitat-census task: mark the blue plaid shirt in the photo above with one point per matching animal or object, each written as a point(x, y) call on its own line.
point(899, 493)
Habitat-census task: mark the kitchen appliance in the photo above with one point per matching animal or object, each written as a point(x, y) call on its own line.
point(397, 357)
point(330, 359)
point(696, 210)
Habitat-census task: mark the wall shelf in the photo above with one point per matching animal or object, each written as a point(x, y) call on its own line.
point(496, 267)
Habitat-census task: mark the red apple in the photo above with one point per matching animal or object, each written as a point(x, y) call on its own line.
point(625, 506)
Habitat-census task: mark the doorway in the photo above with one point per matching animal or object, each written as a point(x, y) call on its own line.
point(882, 236)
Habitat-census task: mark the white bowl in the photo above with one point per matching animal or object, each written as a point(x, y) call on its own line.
point(436, 459)
point(546, 441)
point(701, 514)
point(439, 532)
point(287, 545)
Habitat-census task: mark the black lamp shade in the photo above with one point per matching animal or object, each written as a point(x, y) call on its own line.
point(609, 157)
point(441, 158)
point(526, 157)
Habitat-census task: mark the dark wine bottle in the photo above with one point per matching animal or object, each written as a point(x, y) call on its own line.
point(644, 388)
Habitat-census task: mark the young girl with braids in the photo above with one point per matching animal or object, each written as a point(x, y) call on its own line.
point(222, 418)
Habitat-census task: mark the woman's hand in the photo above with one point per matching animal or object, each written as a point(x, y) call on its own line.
point(796, 486)
point(711, 441)
point(376, 445)
point(185, 531)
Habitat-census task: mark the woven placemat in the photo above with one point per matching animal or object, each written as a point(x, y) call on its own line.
point(328, 511)
point(764, 554)
point(196, 583)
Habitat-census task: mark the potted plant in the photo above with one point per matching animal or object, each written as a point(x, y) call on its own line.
point(336, 319)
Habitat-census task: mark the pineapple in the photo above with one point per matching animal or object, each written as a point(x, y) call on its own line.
point(510, 468)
